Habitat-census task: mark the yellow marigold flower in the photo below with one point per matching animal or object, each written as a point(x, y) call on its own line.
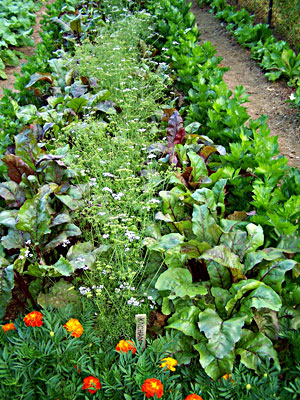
point(74, 326)
point(51, 333)
point(169, 363)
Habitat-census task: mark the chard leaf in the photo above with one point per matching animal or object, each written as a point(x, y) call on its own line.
point(204, 225)
point(267, 323)
point(16, 167)
point(64, 267)
point(219, 275)
point(225, 257)
point(27, 148)
point(60, 295)
point(261, 296)
point(205, 196)
point(168, 242)
point(255, 237)
point(255, 350)
point(8, 218)
point(214, 367)
point(274, 274)
point(13, 194)
point(14, 239)
point(198, 165)
point(179, 282)
point(221, 335)
point(6, 286)
point(235, 241)
point(38, 77)
point(194, 248)
point(77, 104)
point(81, 255)
point(185, 320)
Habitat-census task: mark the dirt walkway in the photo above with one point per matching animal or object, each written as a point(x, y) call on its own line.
point(27, 51)
point(265, 97)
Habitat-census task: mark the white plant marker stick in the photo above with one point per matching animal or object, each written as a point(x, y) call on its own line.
point(141, 328)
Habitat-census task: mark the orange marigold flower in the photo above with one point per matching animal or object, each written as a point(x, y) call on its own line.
point(153, 387)
point(74, 326)
point(169, 363)
point(125, 345)
point(34, 318)
point(227, 377)
point(92, 384)
point(9, 327)
point(193, 396)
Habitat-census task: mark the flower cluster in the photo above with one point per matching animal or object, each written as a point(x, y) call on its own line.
point(152, 387)
point(9, 327)
point(74, 326)
point(124, 346)
point(169, 363)
point(34, 318)
point(91, 384)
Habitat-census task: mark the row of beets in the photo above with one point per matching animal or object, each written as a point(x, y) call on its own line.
point(38, 190)
point(228, 231)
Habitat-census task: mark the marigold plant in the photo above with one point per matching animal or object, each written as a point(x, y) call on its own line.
point(125, 345)
point(74, 326)
point(34, 318)
point(9, 327)
point(227, 377)
point(193, 396)
point(153, 387)
point(169, 363)
point(91, 384)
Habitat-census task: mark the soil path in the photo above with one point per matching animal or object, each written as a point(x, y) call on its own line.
point(27, 51)
point(265, 97)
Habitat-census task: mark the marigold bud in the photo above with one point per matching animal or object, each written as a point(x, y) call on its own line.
point(248, 386)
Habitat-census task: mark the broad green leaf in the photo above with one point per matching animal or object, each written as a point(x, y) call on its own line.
point(81, 255)
point(60, 295)
point(166, 306)
point(34, 217)
point(27, 113)
point(185, 320)
point(255, 257)
point(172, 205)
point(64, 267)
point(221, 296)
point(255, 350)
point(213, 366)
point(258, 295)
point(179, 282)
point(198, 165)
point(221, 335)
point(68, 201)
point(205, 196)
point(235, 241)
point(75, 25)
point(59, 219)
point(290, 244)
point(6, 286)
point(27, 147)
point(267, 323)
point(204, 225)
point(77, 104)
point(14, 239)
point(274, 274)
point(225, 257)
point(13, 194)
point(168, 242)
point(194, 248)
point(8, 218)
point(219, 275)
point(255, 237)
point(38, 77)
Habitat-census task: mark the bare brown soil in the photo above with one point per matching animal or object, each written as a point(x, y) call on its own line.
point(265, 97)
point(27, 51)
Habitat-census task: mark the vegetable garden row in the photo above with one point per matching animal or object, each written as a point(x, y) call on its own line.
point(133, 181)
